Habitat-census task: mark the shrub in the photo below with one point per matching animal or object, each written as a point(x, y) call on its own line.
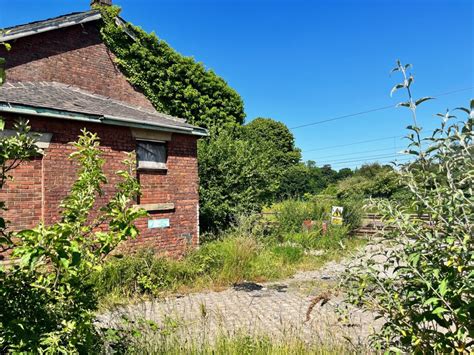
point(141, 274)
point(47, 302)
point(423, 287)
point(290, 214)
point(316, 240)
point(380, 182)
point(237, 177)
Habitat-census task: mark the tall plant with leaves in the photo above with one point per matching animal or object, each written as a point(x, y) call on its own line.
point(423, 288)
point(47, 302)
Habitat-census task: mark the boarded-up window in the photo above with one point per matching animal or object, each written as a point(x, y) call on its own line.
point(151, 155)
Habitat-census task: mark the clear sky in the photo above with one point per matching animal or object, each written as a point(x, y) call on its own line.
point(305, 61)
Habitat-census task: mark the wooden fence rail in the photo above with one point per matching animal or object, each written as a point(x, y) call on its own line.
point(372, 223)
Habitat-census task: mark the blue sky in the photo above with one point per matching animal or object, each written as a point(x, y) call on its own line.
point(306, 61)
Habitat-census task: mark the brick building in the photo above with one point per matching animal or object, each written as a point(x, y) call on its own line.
point(62, 78)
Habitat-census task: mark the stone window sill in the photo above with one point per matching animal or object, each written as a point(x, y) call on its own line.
point(157, 207)
point(151, 165)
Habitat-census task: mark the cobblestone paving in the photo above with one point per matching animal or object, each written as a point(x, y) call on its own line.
point(275, 309)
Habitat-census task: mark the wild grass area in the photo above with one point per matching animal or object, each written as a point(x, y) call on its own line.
point(155, 341)
point(255, 249)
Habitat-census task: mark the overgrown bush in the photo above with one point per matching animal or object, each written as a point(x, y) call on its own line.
point(236, 177)
point(423, 286)
point(140, 274)
point(290, 214)
point(47, 303)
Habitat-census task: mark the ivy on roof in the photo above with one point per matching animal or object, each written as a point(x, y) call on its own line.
point(175, 84)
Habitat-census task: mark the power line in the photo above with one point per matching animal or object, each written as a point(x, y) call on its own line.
point(370, 160)
point(355, 153)
point(344, 116)
point(354, 143)
point(367, 157)
point(372, 110)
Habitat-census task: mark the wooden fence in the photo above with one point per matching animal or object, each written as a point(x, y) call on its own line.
point(372, 223)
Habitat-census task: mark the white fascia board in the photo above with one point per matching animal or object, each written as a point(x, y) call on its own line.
point(110, 120)
point(7, 37)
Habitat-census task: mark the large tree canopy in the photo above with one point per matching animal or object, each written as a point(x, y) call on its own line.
point(277, 134)
point(175, 84)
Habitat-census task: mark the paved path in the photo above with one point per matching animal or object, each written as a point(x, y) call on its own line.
point(276, 309)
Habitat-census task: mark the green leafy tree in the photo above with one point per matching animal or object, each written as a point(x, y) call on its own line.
point(423, 287)
point(175, 84)
point(237, 177)
point(344, 173)
point(295, 182)
point(280, 142)
point(276, 134)
point(47, 303)
point(372, 170)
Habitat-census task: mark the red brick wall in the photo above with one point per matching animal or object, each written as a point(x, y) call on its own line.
point(40, 185)
point(74, 56)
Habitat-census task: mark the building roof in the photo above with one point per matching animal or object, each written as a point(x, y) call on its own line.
point(32, 28)
point(64, 101)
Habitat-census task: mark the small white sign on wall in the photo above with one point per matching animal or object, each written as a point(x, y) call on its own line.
point(158, 223)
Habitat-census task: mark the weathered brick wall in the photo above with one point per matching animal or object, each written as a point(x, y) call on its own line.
point(40, 185)
point(74, 55)
point(24, 194)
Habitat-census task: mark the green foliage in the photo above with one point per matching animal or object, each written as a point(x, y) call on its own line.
point(268, 131)
point(236, 177)
point(307, 178)
point(370, 180)
point(290, 214)
point(423, 288)
point(47, 303)
point(316, 240)
point(139, 336)
point(176, 85)
point(2, 70)
point(240, 168)
point(295, 182)
point(245, 252)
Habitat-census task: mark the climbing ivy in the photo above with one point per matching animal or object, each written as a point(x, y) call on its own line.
point(175, 84)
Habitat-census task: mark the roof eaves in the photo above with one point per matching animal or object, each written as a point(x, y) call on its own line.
point(110, 120)
point(94, 16)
